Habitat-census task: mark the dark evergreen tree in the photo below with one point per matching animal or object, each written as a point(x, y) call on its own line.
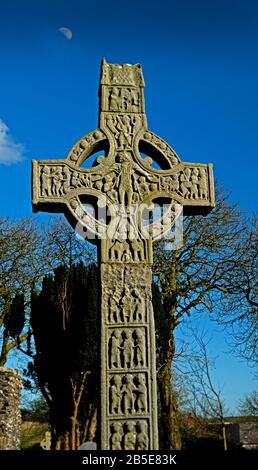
point(15, 320)
point(64, 322)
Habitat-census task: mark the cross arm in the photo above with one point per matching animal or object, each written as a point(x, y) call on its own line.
point(192, 185)
point(55, 182)
point(189, 184)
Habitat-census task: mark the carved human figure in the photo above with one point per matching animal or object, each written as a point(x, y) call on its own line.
point(143, 186)
point(126, 305)
point(135, 179)
point(165, 183)
point(142, 439)
point(66, 180)
point(124, 131)
point(203, 184)
point(138, 250)
point(122, 226)
point(116, 436)
point(130, 436)
point(46, 181)
point(125, 100)
point(141, 403)
point(98, 182)
point(195, 182)
point(137, 121)
point(116, 251)
point(185, 182)
point(127, 255)
point(135, 101)
point(127, 350)
point(174, 183)
point(111, 123)
point(114, 99)
point(115, 395)
point(57, 181)
point(139, 348)
point(85, 180)
point(75, 180)
point(125, 189)
point(114, 350)
point(128, 390)
point(138, 306)
point(114, 309)
point(110, 186)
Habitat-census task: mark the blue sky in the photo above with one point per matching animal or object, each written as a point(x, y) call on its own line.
point(200, 63)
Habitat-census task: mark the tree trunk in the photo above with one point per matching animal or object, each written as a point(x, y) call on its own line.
point(69, 436)
point(168, 417)
point(4, 351)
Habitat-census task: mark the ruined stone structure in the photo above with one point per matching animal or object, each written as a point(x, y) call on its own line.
point(10, 416)
point(136, 169)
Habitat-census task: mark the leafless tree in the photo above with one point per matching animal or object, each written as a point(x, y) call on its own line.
point(201, 277)
point(28, 252)
point(203, 397)
point(248, 405)
point(239, 310)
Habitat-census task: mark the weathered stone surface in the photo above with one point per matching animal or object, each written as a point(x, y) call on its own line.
point(137, 168)
point(10, 416)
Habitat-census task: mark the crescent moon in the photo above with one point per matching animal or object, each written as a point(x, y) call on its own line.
point(66, 32)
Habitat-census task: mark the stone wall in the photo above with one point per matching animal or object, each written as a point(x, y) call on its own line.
point(248, 435)
point(10, 415)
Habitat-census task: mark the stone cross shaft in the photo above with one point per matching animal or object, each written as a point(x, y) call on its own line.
point(136, 169)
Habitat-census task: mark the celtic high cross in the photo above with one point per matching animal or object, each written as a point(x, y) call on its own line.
point(137, 169)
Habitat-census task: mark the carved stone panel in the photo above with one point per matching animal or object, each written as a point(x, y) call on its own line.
point(129, 435)
point(127, 348)
point(128, 332)
point(128, 394)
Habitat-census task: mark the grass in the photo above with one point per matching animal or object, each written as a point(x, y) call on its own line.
point(32, 434)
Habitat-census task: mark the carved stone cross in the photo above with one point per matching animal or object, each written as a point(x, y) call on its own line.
point(138, 169)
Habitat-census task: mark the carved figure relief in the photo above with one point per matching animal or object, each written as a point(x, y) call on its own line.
point(142, 438)
point(141, 402)
point(128, 394)
point(138, 307)
point(128, 390)
point(114, 350)
point(139, 349)
point(123, 99)
point(115, 395)
point(129, 435)
point(127, 250)
point(203, 185)
point(46, 185)
point(114, 307)
point(123, 127)
point(127, 348)
point(116, 435)
point(128, 307)
point(189, 183)
point(58, 180)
